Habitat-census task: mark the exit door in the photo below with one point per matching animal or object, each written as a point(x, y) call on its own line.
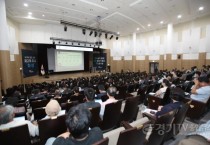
point(153, 67)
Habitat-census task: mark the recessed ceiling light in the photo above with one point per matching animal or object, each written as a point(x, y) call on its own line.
point(161, 22)
point(149, 25)
point(25, 4)
point(30, 13)
point(179, 16)
point(201, 8)
point(43, 15)
point(137, 29)
point(118, 33)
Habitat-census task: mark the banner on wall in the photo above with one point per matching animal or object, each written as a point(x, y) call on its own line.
point(29, 63)
point(99, 61)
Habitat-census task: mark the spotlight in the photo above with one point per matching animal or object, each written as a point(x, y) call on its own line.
point(59, 42)
point(99, 35)
point(117, 38)
point(111, 37)
point(91, 32)
point(66, 43)
point(106, 35)
point(53, 42)
point(65, 28)
point(95, 33)
point(83, 31)
point(78, 43)
point(90, 45)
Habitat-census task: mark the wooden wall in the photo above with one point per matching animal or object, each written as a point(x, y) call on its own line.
point(169, 64)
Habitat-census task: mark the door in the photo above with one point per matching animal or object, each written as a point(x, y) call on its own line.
point(153, 67)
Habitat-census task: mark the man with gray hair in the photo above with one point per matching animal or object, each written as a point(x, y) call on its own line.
point(7, 120)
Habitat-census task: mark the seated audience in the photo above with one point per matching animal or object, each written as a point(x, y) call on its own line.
point(177, 95)
point(77, 121)
point(7, 120)
point(102, 91)
point(89, 96)
point(37, 95)
point(201, 90)
point(111, 93)
point(160, 93)
point(53, 109)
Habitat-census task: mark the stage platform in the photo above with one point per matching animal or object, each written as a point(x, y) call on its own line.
point(55, 77)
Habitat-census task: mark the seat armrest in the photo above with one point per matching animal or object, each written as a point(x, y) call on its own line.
point(126, 125)
point(151, 117)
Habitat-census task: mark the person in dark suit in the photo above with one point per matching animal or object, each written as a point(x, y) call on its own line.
point(177, 96)
point(36, 95)
point(89, 96)
point(102, 91)
point(77, 121)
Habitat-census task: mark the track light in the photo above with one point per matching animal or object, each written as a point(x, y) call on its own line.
point(78, 43)
point(99, 35)
point(66, 43)
point(106, 35)
point(91, 32)
point(65, 28)
point(117, 38)
point(95, 33)
point(59, 42)
point(83, 31)
point(111, 37)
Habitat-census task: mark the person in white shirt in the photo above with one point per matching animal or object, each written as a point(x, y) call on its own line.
point(7, 120)
point(160, 93)
point(53, 109)
point(111, 93)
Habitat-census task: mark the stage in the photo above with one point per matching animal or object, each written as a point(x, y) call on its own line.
point(55, 77)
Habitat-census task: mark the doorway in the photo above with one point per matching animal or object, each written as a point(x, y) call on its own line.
point(153, 67)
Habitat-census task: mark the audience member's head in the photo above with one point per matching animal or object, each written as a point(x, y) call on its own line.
point(35, 91)
point(57, 92)
point(89, 94)
point(177, 94)
point(203, 81)
point(166, 83)
point(76, 89)
point(52, 108)
point(77, 121)
point(101, 88)
point(112, 91)
point(6, 114)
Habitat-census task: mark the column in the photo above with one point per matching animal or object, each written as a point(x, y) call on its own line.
point(4, 45)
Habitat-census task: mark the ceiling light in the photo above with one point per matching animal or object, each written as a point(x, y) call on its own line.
point(201, 8)
point(99, 35)
point(83, 31)
point(118, 33)
point(53, 42)
point(117, 38)
point(111, 37)
point(30, 13)
point(149, 25)
point(66, 43)
point(65, 28)
point(95, 34)
point(179, 16)
point(106, 35)
point(91, 32)
point(25, 4)
point(161, 22)
point(137, 29)
point(43, 15)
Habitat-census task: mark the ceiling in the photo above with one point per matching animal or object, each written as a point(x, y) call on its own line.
point(123, 16)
